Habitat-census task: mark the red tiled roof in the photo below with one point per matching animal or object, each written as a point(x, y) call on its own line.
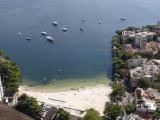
point(145, 115)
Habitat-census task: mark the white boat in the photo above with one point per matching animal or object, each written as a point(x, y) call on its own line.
point(123, 18)
point(50, 39)
point(81, 28)
point(19, 33)
point(28, 38)
point(54, 23)
point(45, 79)
point(64, 29)
point(59, 70)
point(43, 33)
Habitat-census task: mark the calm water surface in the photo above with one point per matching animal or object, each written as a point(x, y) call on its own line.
point(75, 53)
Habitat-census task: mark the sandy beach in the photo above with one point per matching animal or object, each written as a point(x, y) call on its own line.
point(76, 98)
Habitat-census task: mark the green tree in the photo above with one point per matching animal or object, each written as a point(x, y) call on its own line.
point(156, 116)
point(92, 115)
point(62, 115)
point(130, 108)
point(157, 56)
point(1, 52)
point(124, 73)
point(119, 32)
point(118, 90)
point(29, 106)
point(130, 41)
point(144, 83)
point(115, 40)
point(155, 37)
point(132, 28)
point(146, 54)
point(158, 78)
point(150, 27)
point(11, 76)
point(113, 111)
point(125, 56)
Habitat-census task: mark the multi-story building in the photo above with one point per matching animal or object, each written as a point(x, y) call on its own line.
point(149, 69)
point(144, 101)
point(142, 37)
point(136, 62)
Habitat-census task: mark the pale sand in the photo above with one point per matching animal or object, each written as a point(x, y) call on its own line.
point(81, 99)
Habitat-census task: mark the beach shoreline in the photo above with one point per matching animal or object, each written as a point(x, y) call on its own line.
point(67, 83)
point(81, 98)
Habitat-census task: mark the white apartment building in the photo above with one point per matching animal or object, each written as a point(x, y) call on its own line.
point(142, 37)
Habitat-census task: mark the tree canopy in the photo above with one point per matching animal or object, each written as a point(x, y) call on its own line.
point(144, 83)
point(145, 54)
point(118, 90)
point(62, 115)
point(92, 114)
point(10, 74)
point(130, 108)
point(156, 116)
point(29, 106)
point(113, 111)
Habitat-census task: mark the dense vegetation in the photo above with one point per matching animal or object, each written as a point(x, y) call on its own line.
point(10, 75)
point(113, 111)
point(119, 59)
point(130, 108)
point(29, 106)
point(147, 83)
point(156, 115)
point(62, 115)
point(92, 115)
point(118, 90)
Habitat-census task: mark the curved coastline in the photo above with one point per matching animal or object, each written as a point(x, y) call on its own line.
point(80, 95)
point(67, 83)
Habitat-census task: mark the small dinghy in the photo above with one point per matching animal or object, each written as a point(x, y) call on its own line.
point(81, 28)
point(50, 39)
point(28, 38)
point(64, 29)
point(19, 34)
point(122, 19)
point(43, 33)
point(54, 23)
